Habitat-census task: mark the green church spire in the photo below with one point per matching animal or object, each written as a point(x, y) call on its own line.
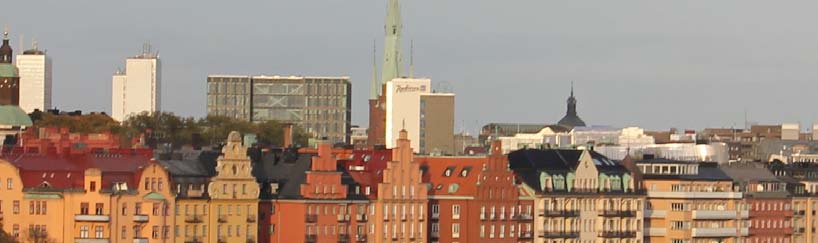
point(391, 68)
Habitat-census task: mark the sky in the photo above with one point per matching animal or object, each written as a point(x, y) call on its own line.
point(654, 64)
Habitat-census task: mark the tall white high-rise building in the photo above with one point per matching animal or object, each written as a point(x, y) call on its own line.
point(34, 67)
point(139, 87)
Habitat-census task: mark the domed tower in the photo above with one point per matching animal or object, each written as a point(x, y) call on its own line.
point(5, 50)
point(571, 120)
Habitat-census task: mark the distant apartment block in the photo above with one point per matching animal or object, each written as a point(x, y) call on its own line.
point(320, 105)
point(139, 87)
point(34, 68)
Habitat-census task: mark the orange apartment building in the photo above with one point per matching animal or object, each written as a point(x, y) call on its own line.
point(691, 202)
point(398, 208)
point(476, 199)
point(85, 198)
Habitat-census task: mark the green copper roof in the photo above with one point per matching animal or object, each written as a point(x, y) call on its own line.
point(41, 196)
point(12, 115)
point(154, 196)
point(8, 70)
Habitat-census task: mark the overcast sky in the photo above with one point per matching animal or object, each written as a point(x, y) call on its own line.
point(656, 64)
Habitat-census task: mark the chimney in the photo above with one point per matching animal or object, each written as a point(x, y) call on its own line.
point(288, 135)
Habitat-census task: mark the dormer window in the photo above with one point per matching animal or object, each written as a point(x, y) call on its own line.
point(465, 171)
point(448, 171)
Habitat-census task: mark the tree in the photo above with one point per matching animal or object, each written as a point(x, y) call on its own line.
point(5, 237)
point(38, 235)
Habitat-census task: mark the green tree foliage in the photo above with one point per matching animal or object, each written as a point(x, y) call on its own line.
point(5, 237)
point(91, 123)
point(165, 127)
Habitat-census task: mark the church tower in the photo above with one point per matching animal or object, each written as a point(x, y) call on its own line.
point(9, 76)
point(390, 69)
point(571, 118)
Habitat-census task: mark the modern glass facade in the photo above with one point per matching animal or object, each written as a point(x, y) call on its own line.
point(320, 105)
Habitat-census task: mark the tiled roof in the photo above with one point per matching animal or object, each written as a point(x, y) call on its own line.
point(366, 167)
point(63, 172)
point(452, 176)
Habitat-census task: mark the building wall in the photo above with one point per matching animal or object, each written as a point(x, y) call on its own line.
point(233, 195)
point(770, 219)
point(118, 83)
point(35, 82)
point(142, 85)
point(322, 106)
point(229, 96)
point(671, 217)
point(92, 212)
point(403, 109)
point(399, 193)
point(437, 124)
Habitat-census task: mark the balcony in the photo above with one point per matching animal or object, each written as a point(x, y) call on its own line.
point(559, 213)
point(343, 238)
point(526, 235)
point(360, 217)
point(310, 238)
point(343, 218)
point(86, 240)
point(195, 219)
point(435, 215)
point(655, 232)
point(558, 234)
point(799, 213)
point(714, 232)
point(311, 218)
point(654, 214)
point(251, 218)
point(193, 239)
point(140, 218)
point(140, 240)
point(250, 239)
point(222, 239)
point(522, 217)
point(617, 213)
point(92, 218)
point(617, 234)
point(716, 214)
point(360, 238)
point(222, 218)
point(695, 195)
point(435, 235)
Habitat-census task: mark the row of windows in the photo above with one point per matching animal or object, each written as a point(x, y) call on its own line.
point(589, 225)
point(331, 209)
point(329, 229)
point(501, 230)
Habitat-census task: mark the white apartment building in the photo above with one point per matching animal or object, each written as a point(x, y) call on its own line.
point(34, 68)
point(139, 87)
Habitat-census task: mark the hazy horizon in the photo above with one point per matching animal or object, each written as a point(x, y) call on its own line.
point(634, 63)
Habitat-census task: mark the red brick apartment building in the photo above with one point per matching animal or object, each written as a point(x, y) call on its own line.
point(476, 199)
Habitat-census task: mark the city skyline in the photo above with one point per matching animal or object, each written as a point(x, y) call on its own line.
point(635, 63)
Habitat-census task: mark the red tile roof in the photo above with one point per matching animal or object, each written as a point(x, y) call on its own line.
point(68, 171)
point(461, 178)
point(366, 168)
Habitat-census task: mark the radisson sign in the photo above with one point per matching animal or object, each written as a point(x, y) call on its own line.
point(410, 88)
